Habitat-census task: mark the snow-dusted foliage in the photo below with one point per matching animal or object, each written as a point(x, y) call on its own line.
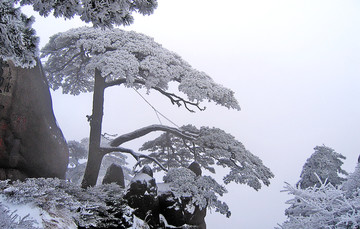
point(322, 206)
point(18, 42)
point(211, 146)
point(100, 207)
point(129, 58)
point(202, 190)
point(324, 163)
point(100, 13)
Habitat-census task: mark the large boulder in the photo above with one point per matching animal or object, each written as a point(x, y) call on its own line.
point(114, 174)
point(31, 143)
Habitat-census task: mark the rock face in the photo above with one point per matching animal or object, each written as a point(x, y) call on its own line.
point(114, 174)
point(31, 143)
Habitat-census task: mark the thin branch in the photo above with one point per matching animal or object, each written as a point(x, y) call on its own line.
point(175, 99)
point(137, 156)
point(145, 130)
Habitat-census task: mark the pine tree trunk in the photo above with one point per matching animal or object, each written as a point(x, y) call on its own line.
point(95, 156)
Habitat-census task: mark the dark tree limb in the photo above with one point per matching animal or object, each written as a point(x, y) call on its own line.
point(145, 130)
point(137, 156)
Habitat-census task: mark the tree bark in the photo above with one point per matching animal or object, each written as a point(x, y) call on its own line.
point(95, 156)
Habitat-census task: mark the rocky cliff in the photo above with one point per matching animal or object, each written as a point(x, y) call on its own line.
point(31, 143)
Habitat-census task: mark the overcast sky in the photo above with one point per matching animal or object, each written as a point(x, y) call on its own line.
point(294, 66)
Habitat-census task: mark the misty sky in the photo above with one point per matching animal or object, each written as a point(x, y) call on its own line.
point(294, 66)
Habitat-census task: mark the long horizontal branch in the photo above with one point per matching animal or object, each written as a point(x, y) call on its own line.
point(145, 130)
point(137, 156)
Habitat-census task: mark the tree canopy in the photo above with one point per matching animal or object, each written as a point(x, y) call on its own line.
point(128, 58)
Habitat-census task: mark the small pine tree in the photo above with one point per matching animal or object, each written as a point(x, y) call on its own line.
point(324, 163)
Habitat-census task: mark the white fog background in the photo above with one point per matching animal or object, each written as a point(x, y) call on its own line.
point(294, 66)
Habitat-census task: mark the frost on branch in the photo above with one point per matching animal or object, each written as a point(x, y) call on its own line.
point(100, 13)
point(18, 42)
point(129, 58)
point(212, 146)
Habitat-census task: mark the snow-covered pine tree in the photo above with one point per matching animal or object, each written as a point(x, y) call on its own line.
point(324, 163)
point(89, 59)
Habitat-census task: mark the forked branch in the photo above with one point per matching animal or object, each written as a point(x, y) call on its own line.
point(175, 99)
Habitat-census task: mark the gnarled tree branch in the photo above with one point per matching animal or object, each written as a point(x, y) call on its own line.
point(145, 130)
point(137, 156)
